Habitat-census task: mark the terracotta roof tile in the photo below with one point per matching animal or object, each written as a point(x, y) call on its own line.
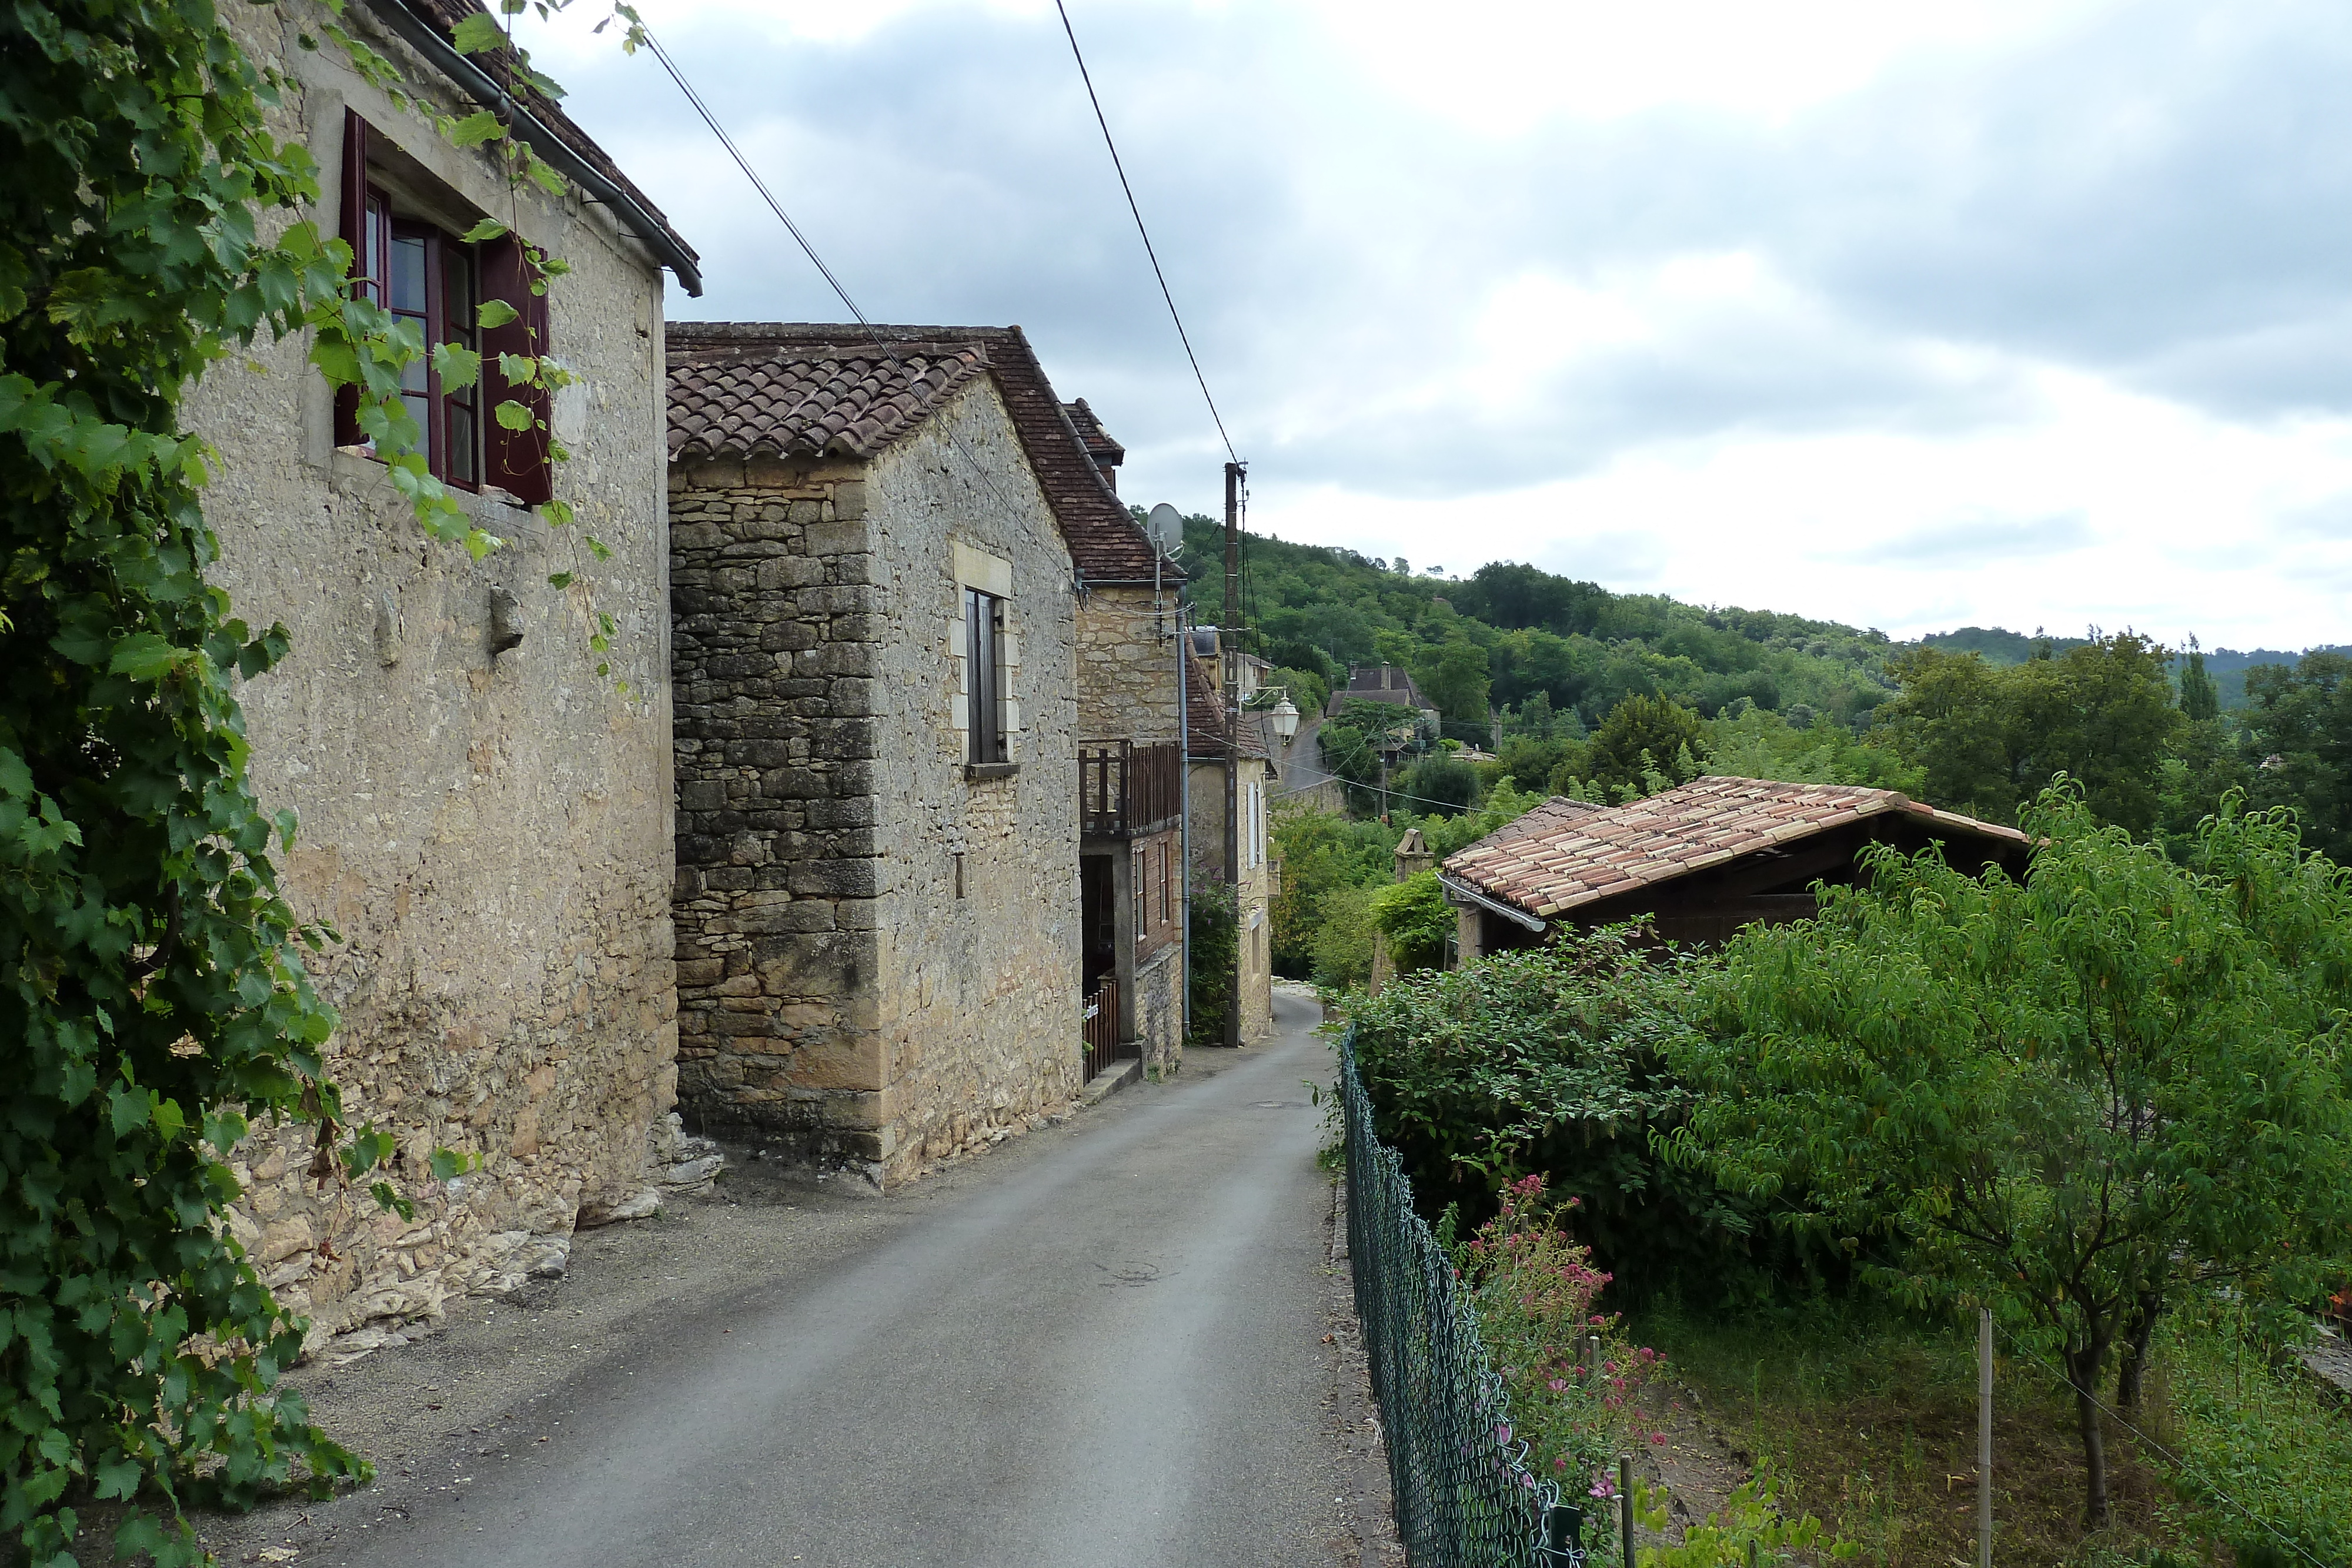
point(799, 389)
point(1566, 852)
point(1204, 719)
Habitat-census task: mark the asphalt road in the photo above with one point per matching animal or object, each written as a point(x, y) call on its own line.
point(1103, 1345)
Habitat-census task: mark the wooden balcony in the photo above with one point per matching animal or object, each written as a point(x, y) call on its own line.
point(1126, 790)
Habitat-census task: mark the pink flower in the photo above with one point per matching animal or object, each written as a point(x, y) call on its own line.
point(1558, 1386)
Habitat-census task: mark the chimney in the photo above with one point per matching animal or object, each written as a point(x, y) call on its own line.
point(1413, 854)
point(1106, 454)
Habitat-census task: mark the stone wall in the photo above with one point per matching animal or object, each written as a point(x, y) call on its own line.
point(490, 833)
point(1127, 665)
point(773, 612)
point(1257, 935)
point(880, 956)
point(1159, 1010)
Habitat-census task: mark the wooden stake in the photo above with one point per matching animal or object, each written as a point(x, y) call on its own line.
point(1984, 1437)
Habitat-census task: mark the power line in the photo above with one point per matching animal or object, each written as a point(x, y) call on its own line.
point(1184, 337)
point(889, 349)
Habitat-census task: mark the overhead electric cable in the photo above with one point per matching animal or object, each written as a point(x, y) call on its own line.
point(1173, 314)
point(889, 351)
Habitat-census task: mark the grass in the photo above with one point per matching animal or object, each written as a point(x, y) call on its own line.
point(1873, 1417)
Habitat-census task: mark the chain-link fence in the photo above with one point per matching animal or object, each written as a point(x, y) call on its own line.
point(1464, 1497)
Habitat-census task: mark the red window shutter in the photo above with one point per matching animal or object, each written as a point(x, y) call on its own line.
point(352, 215)
point(514, 460)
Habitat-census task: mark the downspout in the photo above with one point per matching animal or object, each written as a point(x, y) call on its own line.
point(1184, 807)
point(426, 40)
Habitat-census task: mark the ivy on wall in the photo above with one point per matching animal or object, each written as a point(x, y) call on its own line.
point(151, 992)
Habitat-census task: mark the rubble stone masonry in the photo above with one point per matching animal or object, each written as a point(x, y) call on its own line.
point(879, 954)
point(490, 831)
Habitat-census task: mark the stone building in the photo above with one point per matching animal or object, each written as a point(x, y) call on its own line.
point(1131, 853)
point(879, 556)
point(1257, 774)
point(485, 820)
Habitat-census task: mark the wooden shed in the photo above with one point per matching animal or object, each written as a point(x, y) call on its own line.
point(1700, 860)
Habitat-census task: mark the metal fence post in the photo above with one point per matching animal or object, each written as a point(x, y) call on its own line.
point(1625, 1503)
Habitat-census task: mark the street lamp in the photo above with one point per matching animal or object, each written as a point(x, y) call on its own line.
point(1285, 719)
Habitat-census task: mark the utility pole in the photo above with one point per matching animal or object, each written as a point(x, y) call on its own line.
point(1229, 649)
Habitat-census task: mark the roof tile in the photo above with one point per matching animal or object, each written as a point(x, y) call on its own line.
point(1566, 852)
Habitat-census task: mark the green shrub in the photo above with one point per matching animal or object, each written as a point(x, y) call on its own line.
point(1214, 938)
point(1416, 919)
point(1551, 1060)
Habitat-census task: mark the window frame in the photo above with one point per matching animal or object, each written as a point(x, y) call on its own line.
point(445, 410)
point(984, 617)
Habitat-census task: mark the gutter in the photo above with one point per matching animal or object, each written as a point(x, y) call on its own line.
point(1462, 893)
point(426, 40)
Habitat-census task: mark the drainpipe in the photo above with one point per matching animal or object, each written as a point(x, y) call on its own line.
point(1184, 817)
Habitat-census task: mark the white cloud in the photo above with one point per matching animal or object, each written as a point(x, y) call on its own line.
point(1917, 315)
point(2111, 507)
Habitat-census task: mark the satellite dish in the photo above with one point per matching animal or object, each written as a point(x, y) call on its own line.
point(1166, 526)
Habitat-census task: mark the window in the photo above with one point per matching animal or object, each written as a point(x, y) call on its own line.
point(983, 624)
point(1142, 879)
point(427, 277)
point(1167, 874)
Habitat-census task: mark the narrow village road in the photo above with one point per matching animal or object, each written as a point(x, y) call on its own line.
point(1108, 1350)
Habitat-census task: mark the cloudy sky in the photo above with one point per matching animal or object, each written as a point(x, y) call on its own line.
point(1906, 315)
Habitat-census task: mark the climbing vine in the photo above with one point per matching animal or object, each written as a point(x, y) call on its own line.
point(153, 996)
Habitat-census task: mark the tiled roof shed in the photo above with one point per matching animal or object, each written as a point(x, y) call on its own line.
point(792, 389)
point(1709, 856)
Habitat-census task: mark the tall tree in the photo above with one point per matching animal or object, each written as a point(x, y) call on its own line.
point(2074, 1098)
point(2200, 697)
point(1990, 738)
point(2301, 745)
point(1643, 736)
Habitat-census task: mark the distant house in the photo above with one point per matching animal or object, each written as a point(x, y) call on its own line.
point(1256, 772)
point(1700, 860)
point(1378, 683)
point(889, 568)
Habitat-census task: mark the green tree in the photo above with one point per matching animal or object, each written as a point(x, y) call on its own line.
point(2101, 714)
point(1454, 676)
point(151, 992)
point(1439, 782)
point(1987, 739)
point(2201, 698)
point(2075, 1099)
point(2301, 745)
point(1642, 737)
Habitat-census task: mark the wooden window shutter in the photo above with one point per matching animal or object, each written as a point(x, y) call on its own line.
point(515, 460)
point(352, 226)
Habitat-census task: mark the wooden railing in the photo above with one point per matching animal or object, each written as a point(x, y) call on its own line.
point(1100, 1016)
point(1126, 789)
